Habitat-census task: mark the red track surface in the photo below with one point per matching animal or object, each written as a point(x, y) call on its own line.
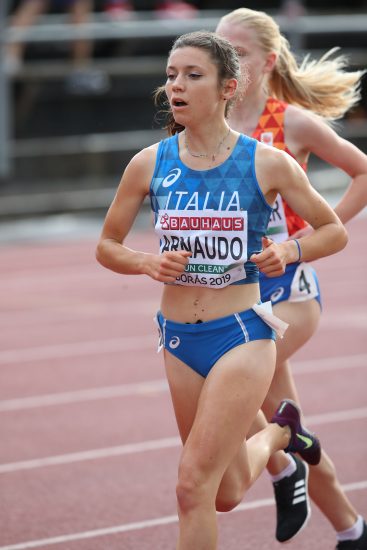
point(89, 445)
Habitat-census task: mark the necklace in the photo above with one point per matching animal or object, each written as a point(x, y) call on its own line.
point(206, 155)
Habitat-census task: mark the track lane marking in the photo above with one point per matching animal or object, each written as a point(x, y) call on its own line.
point(77, 349)
point(153, 445)
point(78, 396)
point(92, 454)
point(146, 524)
point(160, 385)
point(90, 347)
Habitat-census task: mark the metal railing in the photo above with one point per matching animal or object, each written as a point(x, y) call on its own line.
point(144, 25)
point(140, 26)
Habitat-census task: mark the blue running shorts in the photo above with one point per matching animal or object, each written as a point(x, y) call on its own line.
point(200, 345)
point(299, 283)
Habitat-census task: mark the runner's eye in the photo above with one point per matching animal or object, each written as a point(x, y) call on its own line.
point(241, 52)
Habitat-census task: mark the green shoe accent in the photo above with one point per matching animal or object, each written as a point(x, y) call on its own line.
point(306, 440)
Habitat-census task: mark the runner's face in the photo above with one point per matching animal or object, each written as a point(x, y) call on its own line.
point(192, 86)
point(252, 58)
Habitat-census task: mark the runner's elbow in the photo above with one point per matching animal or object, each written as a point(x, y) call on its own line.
point(100, 253)
point(344, 237)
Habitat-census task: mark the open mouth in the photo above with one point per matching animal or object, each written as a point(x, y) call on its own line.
point(178, 103)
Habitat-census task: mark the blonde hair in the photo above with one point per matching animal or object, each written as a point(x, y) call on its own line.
point(322, 86)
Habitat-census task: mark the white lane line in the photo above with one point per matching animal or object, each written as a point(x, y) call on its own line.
point(113, 345)
point(146, 524)
point(160, 385)
point(77, 396)
point(153, 445)
point(337, 416)
point(77, 349)
point(329, 363)
point(93, 454)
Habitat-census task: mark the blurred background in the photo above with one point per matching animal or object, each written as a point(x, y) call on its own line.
point(76, 83)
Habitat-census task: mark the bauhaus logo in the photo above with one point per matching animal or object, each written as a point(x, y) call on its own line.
point(202, 223)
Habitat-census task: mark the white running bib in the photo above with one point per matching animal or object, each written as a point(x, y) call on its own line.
point(277, 227)
point(217, 240)
point(303, 285)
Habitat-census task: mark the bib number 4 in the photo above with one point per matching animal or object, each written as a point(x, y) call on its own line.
point(304, 285)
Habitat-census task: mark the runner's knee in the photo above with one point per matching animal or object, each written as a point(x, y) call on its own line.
point(191, 489)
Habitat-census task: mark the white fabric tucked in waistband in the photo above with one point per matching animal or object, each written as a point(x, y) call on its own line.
point(265, 311)
point(160, 334)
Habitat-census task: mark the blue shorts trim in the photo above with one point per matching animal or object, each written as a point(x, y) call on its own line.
point(201, 345)
point(299, 283)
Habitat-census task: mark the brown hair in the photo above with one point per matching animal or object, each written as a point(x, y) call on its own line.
point(223, 55)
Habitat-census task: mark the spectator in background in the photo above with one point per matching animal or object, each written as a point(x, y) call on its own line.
point(170, 9)
point(82, 79)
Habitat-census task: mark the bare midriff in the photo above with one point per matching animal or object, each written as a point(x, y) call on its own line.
point(190, 304)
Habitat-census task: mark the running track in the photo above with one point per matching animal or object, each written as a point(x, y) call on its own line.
point(88, 443)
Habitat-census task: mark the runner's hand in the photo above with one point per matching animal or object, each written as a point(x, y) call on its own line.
point(271, 260)
point(168, 266)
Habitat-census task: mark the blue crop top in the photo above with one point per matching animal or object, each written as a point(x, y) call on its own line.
point(219, 214)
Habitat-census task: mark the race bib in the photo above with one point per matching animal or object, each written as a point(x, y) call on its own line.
point(277, 227)
point(304, 286)
point(217, 241)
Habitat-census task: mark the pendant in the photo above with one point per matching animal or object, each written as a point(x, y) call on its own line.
point(213, 158)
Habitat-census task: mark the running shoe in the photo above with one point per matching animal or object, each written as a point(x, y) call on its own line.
point(292, 502)
point(303, 442)
point(359, 544)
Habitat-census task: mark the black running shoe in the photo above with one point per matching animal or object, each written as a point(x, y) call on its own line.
point(303, 442)
point(292, 502)
point(359, 544)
